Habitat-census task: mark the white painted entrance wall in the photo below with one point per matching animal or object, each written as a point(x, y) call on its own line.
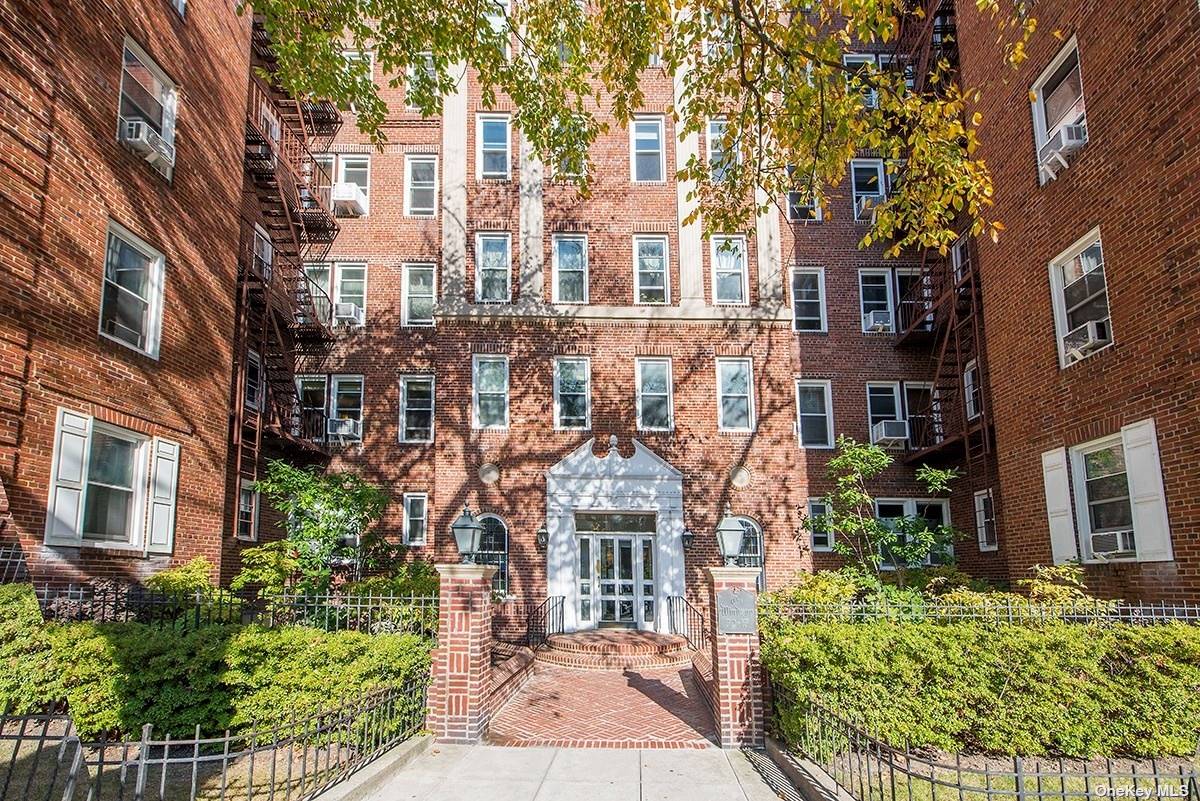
point(584, 482)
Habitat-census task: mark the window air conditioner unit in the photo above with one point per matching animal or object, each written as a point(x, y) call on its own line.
point(1090, 336)
point(890, 433)
point(349, 199)
point(877, 321)
point(865, 206)
point(143, 139)
point(1063, 142)
point(345, 429)
point(348, 314)
point(1113, 545)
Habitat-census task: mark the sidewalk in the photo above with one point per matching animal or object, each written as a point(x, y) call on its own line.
point(464, 773)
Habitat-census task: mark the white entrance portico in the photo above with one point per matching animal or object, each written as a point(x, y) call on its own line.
point(615, 537)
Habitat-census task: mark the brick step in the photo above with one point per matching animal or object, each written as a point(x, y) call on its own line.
point(595, 661)
point(615, 649)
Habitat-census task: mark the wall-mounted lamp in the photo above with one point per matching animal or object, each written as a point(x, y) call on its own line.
point(543, 538)
point(688, 538)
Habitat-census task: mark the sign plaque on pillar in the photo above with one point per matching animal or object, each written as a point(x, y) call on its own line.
point(737, 612)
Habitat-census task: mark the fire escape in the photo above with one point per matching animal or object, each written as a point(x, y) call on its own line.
point(941, 313)
point(283, 316)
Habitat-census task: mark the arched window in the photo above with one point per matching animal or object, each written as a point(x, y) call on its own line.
point(752, 554)
point(493, 550)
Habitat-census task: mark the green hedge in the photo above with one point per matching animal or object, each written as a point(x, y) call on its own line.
point(1053, 689)
point(116, 677)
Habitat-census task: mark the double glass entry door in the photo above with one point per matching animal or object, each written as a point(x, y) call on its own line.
point(616, 576)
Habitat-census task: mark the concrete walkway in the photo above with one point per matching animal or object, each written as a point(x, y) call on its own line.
point(464, 773)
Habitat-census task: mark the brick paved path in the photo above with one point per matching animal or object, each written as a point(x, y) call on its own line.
point(634, 708)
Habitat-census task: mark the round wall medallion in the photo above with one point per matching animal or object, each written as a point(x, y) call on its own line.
point(489, 473)
point(740, 476)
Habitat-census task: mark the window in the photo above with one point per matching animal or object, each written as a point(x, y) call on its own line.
point(719, 160)
point(572, 391)
point(494, 146)
point(419, 294)
point(960, 257)
point(131, 297)
point(416, 518)
point(648, 162)
point(820, 537)
point(985, 521)
point(814, 411)
point(254, 380)
point(420, 196)
point(311, 391)
point(264, 252)
point(868, 187)
point(1105, 502)
point(801, 210)
point(752, 553)
point(490, 390)
point(319, 275)
point(650, 282)
point(349, 294)
point(1058, 105)
point(654, 402)
point(146, 121)
point(735, 395)
point(416, 408)
point(1079, 291)
point(422, 70)
point(889, 63)
point(496, 15)
point(492, 268)
point(923, 411)
point(808, 299)
point(730, 278)
point(883, 402)
point(180, 6)
point(247, 511)
point(493, 550)
point(346, 410)
point(934, 513)
point(875, 297)
point(356, 171)
point(570, 269)
point(914, 298)
point(859, 67)
point(111, 487)
point(971, 389)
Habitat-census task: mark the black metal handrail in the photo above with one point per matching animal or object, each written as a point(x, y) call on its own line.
point(688, 622)
point(545, 620)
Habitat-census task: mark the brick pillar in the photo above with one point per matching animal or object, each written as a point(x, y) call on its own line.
point(462, 661)
point(737, 675)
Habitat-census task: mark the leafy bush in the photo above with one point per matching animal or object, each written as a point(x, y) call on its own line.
point(417, 577)
point(1053, 689)
point(195, 576)
point(28, 679)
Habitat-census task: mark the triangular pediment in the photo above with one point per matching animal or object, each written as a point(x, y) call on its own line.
point(584, 463)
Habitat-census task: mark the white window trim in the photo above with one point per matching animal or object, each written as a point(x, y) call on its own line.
point(405, 269)
point(897, 394)
point(749, 395)
point(554, 240)
point(881, 184)
point(156, 291)
point(662, 148)
point(404, 379)
point(341, 176)
point(1058, 299)
point(416, 158)
point(891, 296)
point(475, 360)
point(331, 394)
point(820, 271)
point(172, 95)
point(637, 287)
point(587, 362)
point(817, 209)
point(714, 246)
point(970, 388)
point(508, 165)
point(1076, 456)
point(247, 484)
point(637, 375)
point(253, 357)
point(872, 100)
point(827, 387)
point(1041, 132)
point(479, 237)
point(829, 534)
point(979, 531)
point(424, 542)
point(335, 283)
point(709, 138)
point(910, 510)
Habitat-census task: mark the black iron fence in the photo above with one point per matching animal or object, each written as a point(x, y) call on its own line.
point(688, 622)
point(527, 621)
point(42, 759)
point(869, 769)
point(112, 602)
point(12, 564)
point(1008, 610)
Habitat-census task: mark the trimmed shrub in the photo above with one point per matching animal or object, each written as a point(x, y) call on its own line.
point(195, 576)
point(28, 680)
point(1054, 689)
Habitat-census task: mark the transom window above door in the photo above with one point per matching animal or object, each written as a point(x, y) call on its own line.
point(603, 522)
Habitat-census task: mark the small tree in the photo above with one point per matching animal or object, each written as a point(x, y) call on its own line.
point(325, 516)
point(902, 544)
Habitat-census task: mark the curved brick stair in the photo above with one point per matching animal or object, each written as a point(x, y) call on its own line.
point(615, 649)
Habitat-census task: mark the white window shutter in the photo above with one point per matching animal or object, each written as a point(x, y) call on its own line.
point(164, 483)
point(1063, 544)
point(1151, 526)
point(68, 476)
